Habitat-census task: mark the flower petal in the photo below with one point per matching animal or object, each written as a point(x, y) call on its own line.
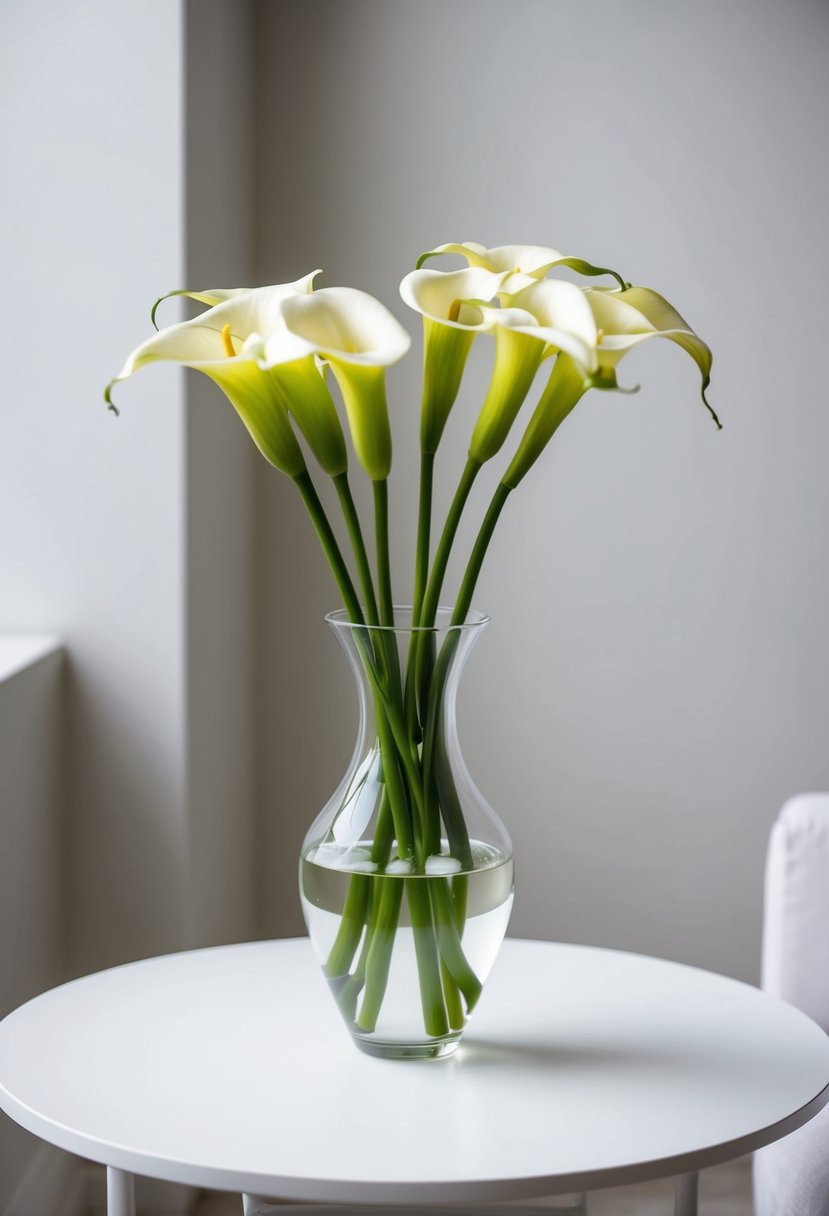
point(555, 313)
point(441, 295)
point(218, 295)
point(559, 305)
point(520, 261)
point(474, 253)
point(637, 314)
point(347, 324)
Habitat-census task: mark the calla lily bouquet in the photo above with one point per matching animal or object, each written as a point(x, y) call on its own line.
point(277, 353)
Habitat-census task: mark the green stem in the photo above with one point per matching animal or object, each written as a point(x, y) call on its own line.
point(405, 821)
point(424, 528)
point(463, 603)
point(452, 996)
point(352, 924)
point(381, 517)
point(449, 942)
point(457, 834)
point(355, 912)
point(330, 547)
point(424, 642)
point(355, 532)
point(355, 612)
point(428, 961)
point(378, 957)
point(388, 641)
point(447, 537)
point(479, 549)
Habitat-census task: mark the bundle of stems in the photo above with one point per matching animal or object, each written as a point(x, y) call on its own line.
point(420, 806)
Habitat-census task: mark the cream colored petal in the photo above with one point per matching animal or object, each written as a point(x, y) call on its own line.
point(562, 340)
point(475, 254)
point(558, 305)
point(521, 261)
point(219, 295)
point(441, 296)
point(348, 325)
point(211, 296)
point(537, 260)
point(555, 313)
point(188, 344)
point(613, 315)
point(640, 313)
point(525, 259)
point(510, 317)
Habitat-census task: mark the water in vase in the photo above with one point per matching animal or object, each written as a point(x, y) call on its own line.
point(397, 982)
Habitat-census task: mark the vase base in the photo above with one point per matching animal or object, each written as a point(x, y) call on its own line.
point(437, 1049)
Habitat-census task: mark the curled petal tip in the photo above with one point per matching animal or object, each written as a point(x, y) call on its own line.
point(711, 409)
point(627, 390)
point(110, 403)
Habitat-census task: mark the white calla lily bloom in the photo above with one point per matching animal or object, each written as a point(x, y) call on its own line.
point(244, 346)
point(359, 338)
point(556, 313)
point(452, 297)
point(451, 304)
point(626, 319)
point(544, 318)
point(521, 263)
point(621, 321)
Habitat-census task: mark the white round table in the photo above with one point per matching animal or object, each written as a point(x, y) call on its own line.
point(230, 1068)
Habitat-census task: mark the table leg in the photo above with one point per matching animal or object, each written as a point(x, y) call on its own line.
point(685, 1195)
point(120, 1193)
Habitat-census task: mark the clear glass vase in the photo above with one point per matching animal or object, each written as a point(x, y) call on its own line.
point(406, 876)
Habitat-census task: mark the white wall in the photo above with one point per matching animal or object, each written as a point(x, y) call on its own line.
point(132, 537)
point(125, 141)
point(91, 507)
point(656, 679)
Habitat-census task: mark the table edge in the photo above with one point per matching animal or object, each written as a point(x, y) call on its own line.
point(330, 1190)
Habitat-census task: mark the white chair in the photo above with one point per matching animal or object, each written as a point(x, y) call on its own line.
point(791, 1177)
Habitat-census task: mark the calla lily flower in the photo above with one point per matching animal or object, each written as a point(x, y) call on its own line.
point(243, 345)
point(218, 295)
point(359, 338)
point(450, 304)
point(522, 263)
point(544, 318)
point(622, 320)
point(625, 319)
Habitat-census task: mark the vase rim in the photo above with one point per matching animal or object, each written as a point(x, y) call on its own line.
point(474, 620)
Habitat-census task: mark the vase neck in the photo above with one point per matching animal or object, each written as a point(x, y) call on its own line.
point(393, 667)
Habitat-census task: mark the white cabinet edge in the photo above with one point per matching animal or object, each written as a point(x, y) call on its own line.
point(19, 651)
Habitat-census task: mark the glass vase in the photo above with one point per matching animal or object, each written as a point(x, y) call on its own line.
point(406, 875)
